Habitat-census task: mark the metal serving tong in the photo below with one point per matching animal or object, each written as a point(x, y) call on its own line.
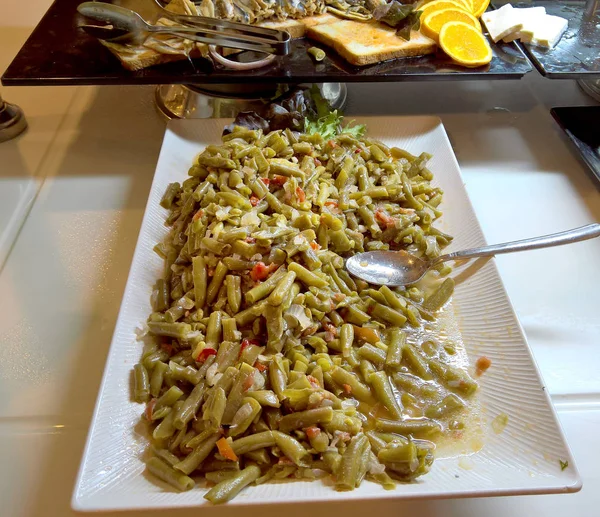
point(125, 25)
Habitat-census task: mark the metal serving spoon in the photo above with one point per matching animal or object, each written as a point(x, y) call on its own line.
point(397, 268)
point(127, 26)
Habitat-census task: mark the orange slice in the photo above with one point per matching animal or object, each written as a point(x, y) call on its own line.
point(467, 4)
point(465, 44)
point(479, 7)
point(432, 24)
point(438, 5)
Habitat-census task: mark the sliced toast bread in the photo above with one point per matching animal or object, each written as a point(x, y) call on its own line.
point(365, 43)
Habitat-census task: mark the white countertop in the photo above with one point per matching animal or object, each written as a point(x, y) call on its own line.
point(85, 167)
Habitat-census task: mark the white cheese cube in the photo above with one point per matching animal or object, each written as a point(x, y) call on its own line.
point(501, 22)
point(527, 15)
point(547, 30)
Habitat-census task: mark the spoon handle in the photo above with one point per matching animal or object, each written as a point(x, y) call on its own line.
point(547, 241)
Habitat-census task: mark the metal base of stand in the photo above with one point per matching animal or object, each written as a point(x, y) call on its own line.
point(178, 101)
point(591, 87)
point(12, 121)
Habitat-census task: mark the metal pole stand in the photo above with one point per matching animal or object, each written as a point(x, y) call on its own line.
point(12, 121)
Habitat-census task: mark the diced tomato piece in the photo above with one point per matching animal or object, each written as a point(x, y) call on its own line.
point(315, 246)
point(357, 150)
point(338, 297)
point(211, 271)
point(330, 328)
point(312, 432)
point(347, 389)
point(260, 271)
point(247, 342)
point(198, 215)
point(279, 180)
point(254, 200)
point(317, 162)
point(226, 450)
point(261, 367)
point(205, 354)
point(331, 203)
point(384, 218)
point(250, 240)
point(300, 195)
point(482, 364)
point(149, 409)
point(332, 143)
point(313, 381)
point(248, 382)
point(266, 181)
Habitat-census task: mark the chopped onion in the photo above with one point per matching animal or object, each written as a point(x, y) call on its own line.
point(296, 316)
point(211, 374)
point(250, 219)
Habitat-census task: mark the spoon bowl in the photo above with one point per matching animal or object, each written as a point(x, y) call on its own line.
point(393, 268)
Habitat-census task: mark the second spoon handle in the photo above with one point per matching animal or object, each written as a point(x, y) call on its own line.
point(547, 241)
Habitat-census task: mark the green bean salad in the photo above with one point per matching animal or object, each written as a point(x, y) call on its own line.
point(264, 359)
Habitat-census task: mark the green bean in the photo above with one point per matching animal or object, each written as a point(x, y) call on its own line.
point(386, 314)
point(165, 455)
point(141, 383)
point(169, 475)
point(292, 448)
point(302, 419)
point(346, 339)
point(419, 426)
point(372, 353)
point(452, 377)
point(265, 288)
point(157, 378)
point(359, 390)
point(198, 455)
point(440, 296)
point(278, 294)
point(449, 403)
point(213, 329)
point(235, 397)
point(275, 327)
point(227, 355)
point(168, 398)
point(175, 330)
point(234, 292)
point(380, 383)
point(307, 277)
point(216, 282)
point(229, 488)
point(245, 415)
point(253, 442)
point(190, 407)
point(183, 373)
point(348, 471)
point(215, 407)
point(277, 376)
point(165, 429)
point(397, 340)
point(265, 398)
point(416, 362)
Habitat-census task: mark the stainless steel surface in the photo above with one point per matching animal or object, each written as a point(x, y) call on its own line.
point(177, 101)
point(12, 121)
point(590, 87)
point(125, 25)
point(398, 268)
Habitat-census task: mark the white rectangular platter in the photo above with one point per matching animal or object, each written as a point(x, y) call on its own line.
point(525, 458)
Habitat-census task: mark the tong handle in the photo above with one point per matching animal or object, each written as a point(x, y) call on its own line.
point(279, 41)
